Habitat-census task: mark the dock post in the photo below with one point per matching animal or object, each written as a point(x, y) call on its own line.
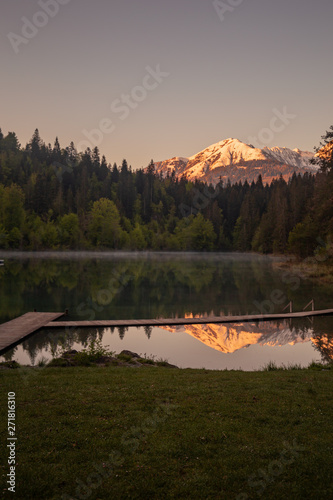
point(290, 305)
point(311, 303)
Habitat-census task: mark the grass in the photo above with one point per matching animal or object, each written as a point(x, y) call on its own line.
point(96, 354)
point(272, 366)
point(133, 433)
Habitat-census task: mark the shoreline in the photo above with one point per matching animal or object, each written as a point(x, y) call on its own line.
point(66, 254)
point(310, 268)
point(68, 361)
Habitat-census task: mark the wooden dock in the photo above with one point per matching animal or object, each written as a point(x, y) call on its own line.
point(187, 321)
point(13, 332)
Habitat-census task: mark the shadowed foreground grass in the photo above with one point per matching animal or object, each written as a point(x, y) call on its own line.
point(138, 433)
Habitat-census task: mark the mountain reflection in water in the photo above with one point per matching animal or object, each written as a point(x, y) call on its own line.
point(108, 285)
point(227, 339)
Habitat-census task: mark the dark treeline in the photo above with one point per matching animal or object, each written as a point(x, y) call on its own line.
point(55, 198)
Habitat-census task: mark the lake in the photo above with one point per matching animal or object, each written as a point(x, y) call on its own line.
point(105, 285)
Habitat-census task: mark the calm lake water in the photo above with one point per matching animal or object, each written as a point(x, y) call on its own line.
point(152, 285)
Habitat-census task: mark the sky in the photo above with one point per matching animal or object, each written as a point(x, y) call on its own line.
point(152, 79)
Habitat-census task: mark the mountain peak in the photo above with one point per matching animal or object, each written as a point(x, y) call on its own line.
point(235, 160)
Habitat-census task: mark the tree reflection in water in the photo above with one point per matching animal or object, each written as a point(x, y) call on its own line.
point(324, 345)
point(147, 286)
point(222, 337)
point(150, 286)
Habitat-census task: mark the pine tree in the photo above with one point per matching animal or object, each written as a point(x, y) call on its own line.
point(72, 155)
point(56, 152)
point(10, 143)
point(35, 144)
point(96, 158)
point(324, 157)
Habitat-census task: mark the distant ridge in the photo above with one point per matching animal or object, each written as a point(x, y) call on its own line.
point(234, 160)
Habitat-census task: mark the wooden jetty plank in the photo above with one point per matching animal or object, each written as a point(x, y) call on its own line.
point(17, 329)
point(14, 331)
point(187, 321)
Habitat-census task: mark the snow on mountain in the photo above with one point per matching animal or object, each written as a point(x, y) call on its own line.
point(229, 338)
point(295, 157)
point(176, 164)
point(222, 154)
point(235, 160)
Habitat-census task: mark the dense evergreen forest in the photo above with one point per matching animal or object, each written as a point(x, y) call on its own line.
point(55, 198)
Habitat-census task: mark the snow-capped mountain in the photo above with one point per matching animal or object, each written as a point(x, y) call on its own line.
point(229, 338)
point(294, 157)
point(235, 160)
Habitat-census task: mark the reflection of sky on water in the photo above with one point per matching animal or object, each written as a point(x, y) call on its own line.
point(185, 351)
point(107, 285)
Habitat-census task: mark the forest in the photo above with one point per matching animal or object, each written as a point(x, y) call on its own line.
point(57, 198)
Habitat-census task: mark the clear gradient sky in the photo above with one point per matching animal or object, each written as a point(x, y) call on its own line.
point(227, 72)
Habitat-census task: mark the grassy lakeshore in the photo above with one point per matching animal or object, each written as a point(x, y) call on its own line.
point(155, 432)
point(317, 269)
